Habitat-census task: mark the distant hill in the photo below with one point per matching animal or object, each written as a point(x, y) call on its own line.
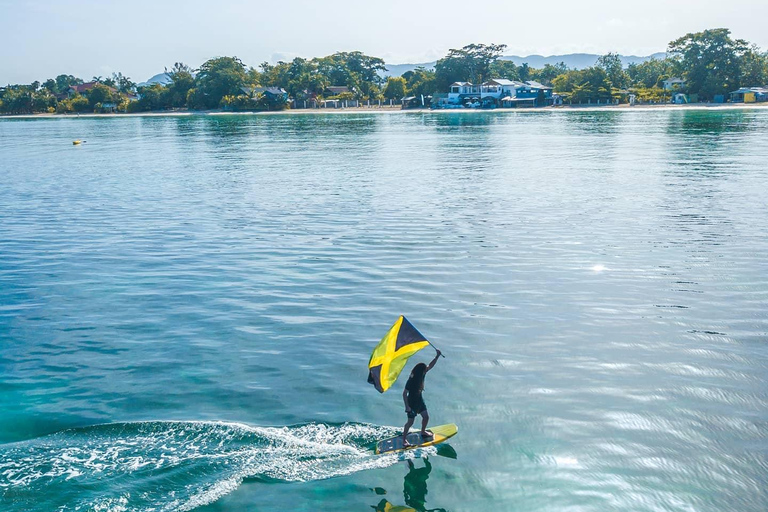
point(160, 78)
point(572, 60)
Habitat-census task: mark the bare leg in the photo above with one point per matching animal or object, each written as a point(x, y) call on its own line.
point(406, 428)
point(424, 421)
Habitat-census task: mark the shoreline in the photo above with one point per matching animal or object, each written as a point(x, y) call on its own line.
point(397, 110)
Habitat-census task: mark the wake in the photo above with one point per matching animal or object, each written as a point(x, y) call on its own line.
point(164, 466)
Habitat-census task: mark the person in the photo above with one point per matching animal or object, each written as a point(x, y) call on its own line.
point(414, 402)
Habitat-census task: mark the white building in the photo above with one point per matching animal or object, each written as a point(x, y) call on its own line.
point(673, 83)
point(495, 93)
point(460, 90)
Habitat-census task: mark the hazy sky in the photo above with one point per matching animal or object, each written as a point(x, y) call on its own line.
point(44, 38)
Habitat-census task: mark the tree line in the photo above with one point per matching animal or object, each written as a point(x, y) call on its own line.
point(711, 63)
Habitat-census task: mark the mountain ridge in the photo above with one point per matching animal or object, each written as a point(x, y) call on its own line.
point(572, 60)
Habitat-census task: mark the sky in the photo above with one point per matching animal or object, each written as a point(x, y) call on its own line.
point(44, 38)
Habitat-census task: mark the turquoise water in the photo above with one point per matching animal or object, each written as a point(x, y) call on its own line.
point(188, 304)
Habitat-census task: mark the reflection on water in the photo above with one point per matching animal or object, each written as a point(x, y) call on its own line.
point(691, 124)
point(414, 491)
point(597, 281)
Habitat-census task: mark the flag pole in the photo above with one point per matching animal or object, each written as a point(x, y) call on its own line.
point(434, 347)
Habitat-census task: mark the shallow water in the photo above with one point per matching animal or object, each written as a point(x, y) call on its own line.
point(187, 308)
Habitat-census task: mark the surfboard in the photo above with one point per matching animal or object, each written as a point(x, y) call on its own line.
point(395, 444)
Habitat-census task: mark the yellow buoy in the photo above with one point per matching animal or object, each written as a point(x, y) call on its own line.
point(76, 142)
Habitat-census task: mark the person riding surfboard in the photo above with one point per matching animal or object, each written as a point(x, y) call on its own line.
point(414, 402)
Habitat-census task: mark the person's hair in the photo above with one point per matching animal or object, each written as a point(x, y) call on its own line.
point(417, 374)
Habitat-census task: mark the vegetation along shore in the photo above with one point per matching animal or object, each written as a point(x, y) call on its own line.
point(707, 67)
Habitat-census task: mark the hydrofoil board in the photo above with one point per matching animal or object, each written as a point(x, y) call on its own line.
point(395, 444)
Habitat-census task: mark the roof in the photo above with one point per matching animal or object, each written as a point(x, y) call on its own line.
point(461, 84)
point(87, 86)
point(537, 85)
point(259, 89)
point(336, 89)
point(501, 81)
point(759, 90)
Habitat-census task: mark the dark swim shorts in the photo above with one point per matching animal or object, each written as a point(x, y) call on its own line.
point(417, 406)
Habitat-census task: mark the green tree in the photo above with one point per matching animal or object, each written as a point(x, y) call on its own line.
point(122, 83)
point(710, 61)
point(17, 99)
point(152, 97)
point(524, 72)
point(100, 93)
point(650, 73)
point(359, 72)
point(549, 72)
point(590, 84)
point(295, 77)
point(181, 82)
point(273, 75)
point(613, 67)
point(420, 81)
point(395, 88)
point(472, 63)
point(80, 103)
point(754, 68)
point(64, 82)
point(505, 69)
point(217, 78)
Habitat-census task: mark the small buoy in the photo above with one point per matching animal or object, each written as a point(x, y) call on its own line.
point(76, 142)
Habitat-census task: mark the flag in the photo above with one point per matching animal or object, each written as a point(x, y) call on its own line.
point(390, 355)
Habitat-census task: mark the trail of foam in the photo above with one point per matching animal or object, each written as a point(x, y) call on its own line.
point(164, 466)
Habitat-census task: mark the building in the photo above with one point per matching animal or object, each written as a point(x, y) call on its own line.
point(459, 92)
point(85, 88)
point(671, 84)
point(498, 92)
point(335, 90)
point(749, 95)
point(273, 93)
point(525, 94)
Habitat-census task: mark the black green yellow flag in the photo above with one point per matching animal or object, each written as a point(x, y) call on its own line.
point(390, 355)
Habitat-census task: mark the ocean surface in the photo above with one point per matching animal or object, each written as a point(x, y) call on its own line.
point(188, 305)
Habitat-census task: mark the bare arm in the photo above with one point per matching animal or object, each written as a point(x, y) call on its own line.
point(432, 364)
point(405, 399)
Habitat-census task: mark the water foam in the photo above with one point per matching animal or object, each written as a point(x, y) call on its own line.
point(164, 466)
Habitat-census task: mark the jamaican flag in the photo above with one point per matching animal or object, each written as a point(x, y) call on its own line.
point(390, 355)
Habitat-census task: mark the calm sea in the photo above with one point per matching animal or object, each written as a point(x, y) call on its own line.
point(188, 305)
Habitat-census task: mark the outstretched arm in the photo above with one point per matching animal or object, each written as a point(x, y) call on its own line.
point(432, 364)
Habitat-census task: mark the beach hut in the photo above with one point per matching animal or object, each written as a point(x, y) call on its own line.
point(749, 95)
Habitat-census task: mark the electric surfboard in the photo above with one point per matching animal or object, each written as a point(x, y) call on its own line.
point(395, 444)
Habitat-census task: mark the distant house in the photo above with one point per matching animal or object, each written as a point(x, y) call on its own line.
point(458, 94)
point(304, 99)
point(749, 95)
point(85, 88)
point(670, 84)
point(274, 93)
point(335, 90)
point(109, 106)
point(498, 92)
point(511, 93)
